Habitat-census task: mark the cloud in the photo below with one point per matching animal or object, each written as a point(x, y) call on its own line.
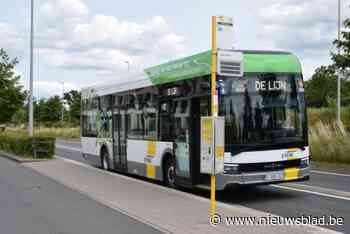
point(105, 43)
point(306, 28)
point(70, 39)
point(73, 43)
point(12, 41)
point(62, 12)
point(102, 43)
point(43, 89)
point(110, 32)
point(98, 59)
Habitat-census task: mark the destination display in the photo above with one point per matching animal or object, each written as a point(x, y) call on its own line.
point(280, 83)
point(275, 85)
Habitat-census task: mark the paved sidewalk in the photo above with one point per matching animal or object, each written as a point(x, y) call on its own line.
point(31, 203)
point(166, 209)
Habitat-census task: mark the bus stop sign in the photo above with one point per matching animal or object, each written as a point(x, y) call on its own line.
point(212, 145)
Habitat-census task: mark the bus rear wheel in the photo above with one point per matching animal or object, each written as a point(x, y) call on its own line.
point(169, 173)
point(105, 160)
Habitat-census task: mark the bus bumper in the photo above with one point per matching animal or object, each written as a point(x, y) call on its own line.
point(257, 178)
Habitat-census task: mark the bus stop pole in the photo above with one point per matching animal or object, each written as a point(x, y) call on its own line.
point(214, 108)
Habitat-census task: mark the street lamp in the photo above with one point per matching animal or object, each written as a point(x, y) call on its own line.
point(31, 108)
point(62, 109)
point(339, 72)
point(127, 62)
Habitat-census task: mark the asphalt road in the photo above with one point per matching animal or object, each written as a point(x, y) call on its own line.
point(325, 194)
point(34, 204)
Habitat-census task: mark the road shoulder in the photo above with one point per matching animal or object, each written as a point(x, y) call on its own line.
point(331, 167)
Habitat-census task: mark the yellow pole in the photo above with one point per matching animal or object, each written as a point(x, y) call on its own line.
point(214, 105)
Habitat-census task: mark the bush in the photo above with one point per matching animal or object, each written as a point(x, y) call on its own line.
point(65, 133)
point(24, 146)
point(328, 116)
point(329, 143)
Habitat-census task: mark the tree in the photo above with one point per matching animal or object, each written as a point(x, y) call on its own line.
point(342, 61)
point(48, 110)
point(73, 99)
point(21, 116)
point(54, 107)
point(11, 95)
point(321, 87)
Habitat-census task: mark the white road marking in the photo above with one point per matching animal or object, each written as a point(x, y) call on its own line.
point(276, 186)
point(68, 148)
point(311, 192)
point(232, 207)
point(313, 171)
point(320, 188)
point(329, 173)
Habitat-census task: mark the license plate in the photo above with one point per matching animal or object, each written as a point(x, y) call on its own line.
point(274, 176)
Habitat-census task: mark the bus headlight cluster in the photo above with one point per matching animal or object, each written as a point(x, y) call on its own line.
point(231, 169)
point(304, 162)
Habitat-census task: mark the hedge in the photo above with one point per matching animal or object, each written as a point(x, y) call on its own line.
point(24, 146)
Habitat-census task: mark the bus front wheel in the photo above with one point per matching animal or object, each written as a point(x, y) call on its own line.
point(169, 173)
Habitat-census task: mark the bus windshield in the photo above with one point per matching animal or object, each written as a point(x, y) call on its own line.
point(262, 109)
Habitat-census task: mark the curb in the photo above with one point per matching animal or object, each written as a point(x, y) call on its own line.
point(18, 159)
point(331, 167)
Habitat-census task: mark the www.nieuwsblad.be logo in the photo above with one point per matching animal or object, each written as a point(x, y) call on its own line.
point(214, 220)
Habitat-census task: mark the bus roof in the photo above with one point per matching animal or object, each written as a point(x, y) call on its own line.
point(195, 66)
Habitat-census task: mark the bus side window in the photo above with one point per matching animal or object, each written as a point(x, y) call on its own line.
point(135, 122)
point(150, 118)
point(166, 121)
point(89, 120)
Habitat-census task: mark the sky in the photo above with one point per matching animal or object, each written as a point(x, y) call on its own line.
point(82, 42)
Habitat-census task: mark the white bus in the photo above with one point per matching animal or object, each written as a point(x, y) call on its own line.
point(148, 123)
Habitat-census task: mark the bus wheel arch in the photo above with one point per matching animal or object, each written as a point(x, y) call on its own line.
point(104, 157)
point(168, 169)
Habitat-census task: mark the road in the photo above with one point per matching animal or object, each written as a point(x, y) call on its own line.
point(325, 194)
point(31, 203)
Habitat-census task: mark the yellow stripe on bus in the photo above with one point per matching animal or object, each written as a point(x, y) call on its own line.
point(151, 171)
point(291, 173)
point(152, 148)
point(293, 149)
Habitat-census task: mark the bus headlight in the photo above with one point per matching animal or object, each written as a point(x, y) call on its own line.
point(231, 169)
point(304, 162)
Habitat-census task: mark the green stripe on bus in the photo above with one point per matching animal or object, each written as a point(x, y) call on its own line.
point(271, 63)
point(181, 69)
point(200, 65)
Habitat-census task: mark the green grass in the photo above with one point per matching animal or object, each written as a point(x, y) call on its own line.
point(64, 133)
point(328, 116)
point(22, 145)
point(329, 143)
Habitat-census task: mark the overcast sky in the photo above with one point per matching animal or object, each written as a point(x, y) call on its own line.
point(80, 42)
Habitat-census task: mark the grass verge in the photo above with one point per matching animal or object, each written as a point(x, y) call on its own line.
point(27, 147)
point(329, 143)
point(63, 133)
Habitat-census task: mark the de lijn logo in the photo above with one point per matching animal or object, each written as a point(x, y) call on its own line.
point(276, 85)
